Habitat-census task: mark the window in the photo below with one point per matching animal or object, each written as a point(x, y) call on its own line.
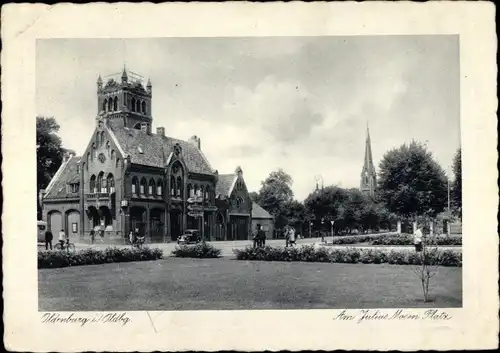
point(133, 104)
point(238, 202)
point(144, 107)
point(101, 183)
point(202, 191)
point(172, 185)
point(159, 188)
point(151, 187)
point(111, 183)
point(113, 155)
point(108, 145)
point(190, 190)
point(179, 186)
point(138, 106)
point(143, 186)
point(74, 188)
point(207, 194)
point(196, 190)
point(115, 104)
point(110, 104)
point(92, 184)
point(135, 182)
point(118, 163)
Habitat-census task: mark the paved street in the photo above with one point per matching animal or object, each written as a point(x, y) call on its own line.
point(228, 246)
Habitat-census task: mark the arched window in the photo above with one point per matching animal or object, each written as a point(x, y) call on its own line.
point(196, 190)
point(159, 187)
point(101, 182)
point(135, 184)
point(151, 190)
point(113, 155)
point(102, 138)
point(179, 186)
point(138, 106)
point(105, 105)
point(92, 184)
point(190, 190)
point(110, 104)
point(202, 192)
point(172, 185)
point(144, 107)
point(207, 194)
point(115, 104)
point(143, 186)
point(137, 126)
point(133, 104)
point(110, 183)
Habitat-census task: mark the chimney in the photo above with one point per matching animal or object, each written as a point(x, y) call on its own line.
point(195, 140)
point(160, 130)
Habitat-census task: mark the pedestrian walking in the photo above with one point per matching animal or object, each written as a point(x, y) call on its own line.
point(131, 238)
point(101, 233)
point(291, 236)
point(417, 239)
point(92, 236)
point(48, 239)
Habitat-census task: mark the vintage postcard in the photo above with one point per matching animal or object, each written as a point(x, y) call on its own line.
point(246, 176)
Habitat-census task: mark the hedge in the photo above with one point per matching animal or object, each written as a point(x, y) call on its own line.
point(201, 250)
point(56, 259)
point(407, 239)
point(309, 253)
point(354, 239)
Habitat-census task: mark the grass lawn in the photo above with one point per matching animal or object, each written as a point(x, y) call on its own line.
point(207, 284)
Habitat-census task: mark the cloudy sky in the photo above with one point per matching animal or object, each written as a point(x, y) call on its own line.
point(297, 103)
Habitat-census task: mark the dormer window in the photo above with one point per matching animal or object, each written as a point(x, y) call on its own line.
point(74, 187)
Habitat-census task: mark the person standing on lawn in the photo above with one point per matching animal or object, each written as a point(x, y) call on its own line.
point(417, 239)
point(260, 237)
point(48, 239)
point(291, 236)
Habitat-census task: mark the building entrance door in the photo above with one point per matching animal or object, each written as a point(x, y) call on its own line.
point(175, 224)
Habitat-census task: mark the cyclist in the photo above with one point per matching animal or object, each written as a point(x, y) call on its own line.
point(63, 238)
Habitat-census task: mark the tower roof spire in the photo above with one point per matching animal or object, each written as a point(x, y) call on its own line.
point(368, 164)
point(124, 74)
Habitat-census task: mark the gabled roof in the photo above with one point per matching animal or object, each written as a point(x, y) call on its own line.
point(224, 184)
point(66, 174)
point(154, 149)
point(260, 213)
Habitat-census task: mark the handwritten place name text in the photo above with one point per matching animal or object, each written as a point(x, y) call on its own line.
point(82, 319)
point(382, 315)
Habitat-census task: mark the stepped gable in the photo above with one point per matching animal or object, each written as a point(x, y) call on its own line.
point(67, 176)
point(154, 148)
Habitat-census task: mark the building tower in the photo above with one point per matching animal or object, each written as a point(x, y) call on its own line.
point(368, 175)
point(125, 98)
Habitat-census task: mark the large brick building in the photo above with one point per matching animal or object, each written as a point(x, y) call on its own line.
point(130, 177)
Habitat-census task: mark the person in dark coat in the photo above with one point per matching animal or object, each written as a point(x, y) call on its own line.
point(48, 239)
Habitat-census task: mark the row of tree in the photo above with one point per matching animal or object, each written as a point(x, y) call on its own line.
point(411, 184)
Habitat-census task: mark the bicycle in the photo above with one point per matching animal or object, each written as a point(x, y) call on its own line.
point(70, 247)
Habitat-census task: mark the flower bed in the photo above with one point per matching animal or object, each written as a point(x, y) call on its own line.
point(349, 255)
point(407, 239)
point(56, 259)
point(202, 250)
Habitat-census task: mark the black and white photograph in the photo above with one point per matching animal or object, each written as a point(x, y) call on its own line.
point(249, 176)
point(249, 173)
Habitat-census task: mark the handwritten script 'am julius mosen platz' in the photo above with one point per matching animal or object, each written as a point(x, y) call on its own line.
point(82, 320)
point(382, 315)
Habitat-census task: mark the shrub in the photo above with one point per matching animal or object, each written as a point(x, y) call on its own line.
point(354, 239)
point(350, 255)
point(56, 259)
point(201, 250)
point(407, 239)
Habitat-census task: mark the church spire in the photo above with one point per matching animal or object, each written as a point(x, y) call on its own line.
point(124, 74)
point(368, 175)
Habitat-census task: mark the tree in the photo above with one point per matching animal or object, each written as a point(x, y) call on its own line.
point(49, 152)
point(326, 205)
point(254, 196)
point(411, 182)
point(456, 187)
point(295, 214)
point(275, 193)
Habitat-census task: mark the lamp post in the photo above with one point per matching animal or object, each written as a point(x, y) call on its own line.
point(332, 222)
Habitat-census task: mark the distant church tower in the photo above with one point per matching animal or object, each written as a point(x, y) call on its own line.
point(126, 99)
point(368, 175)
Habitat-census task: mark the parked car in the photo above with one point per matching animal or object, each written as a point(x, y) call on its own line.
point(41, 227)
point(190, 236)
